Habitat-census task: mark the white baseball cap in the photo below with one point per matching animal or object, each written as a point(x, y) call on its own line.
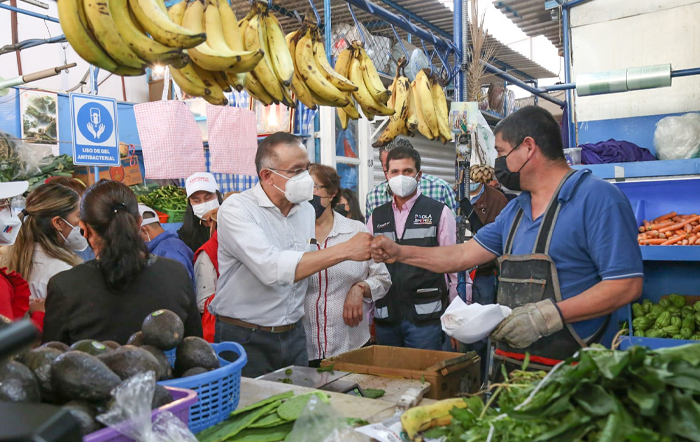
point(146, 221)
point(8, 190)
point(201, 181)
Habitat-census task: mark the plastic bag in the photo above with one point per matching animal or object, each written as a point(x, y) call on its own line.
point(131, 413)
point(678, 138)
point(21, 161)
point(320, 423)
point(474, 322)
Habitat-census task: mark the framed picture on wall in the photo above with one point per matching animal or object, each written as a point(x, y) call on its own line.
point(39, 111)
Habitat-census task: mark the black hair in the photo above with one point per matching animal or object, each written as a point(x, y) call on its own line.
point(110, 208)
point(193, 232)
point(401, 152)
point(353, 205)
point(266, 148)
point(535, 122)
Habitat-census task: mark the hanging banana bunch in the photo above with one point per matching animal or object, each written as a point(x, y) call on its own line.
point(400, 102)
point(198, 39)
point(431, 111)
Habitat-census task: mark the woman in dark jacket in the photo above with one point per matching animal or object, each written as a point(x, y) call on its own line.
point(108, 298)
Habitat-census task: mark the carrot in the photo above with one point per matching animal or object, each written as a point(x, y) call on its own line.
point(688, 228)
point(657, 226)
point(664, 217)
point(672, 241)
point(653, 233)
point(642, 229)
point(646, 224)
point(653, 242)
point(696, 229)
point(679, 225)
point(680, 232)
point(685, 242)
point(692, 240)
point(666, 234)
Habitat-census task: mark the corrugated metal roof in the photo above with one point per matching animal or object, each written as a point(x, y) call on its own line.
point(531, 17)
point(431, 11)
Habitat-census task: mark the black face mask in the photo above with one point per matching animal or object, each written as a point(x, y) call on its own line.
point(318, 207)
point(342, 210)
point(509, 179)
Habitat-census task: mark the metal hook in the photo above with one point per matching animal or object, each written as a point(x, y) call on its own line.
point(403, 48)
point(357, 24)
point(430, 58)
point(318, 17)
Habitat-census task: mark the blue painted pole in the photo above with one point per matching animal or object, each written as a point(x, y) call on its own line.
point(558, 87)
point(567, 77)
point(685, 72)
point(457, 31)
point(412, 16)
point(327, 30)
point(29, 13)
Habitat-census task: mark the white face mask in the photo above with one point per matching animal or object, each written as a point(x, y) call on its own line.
point(75, 242)
point(299, 188)
point(403, 185)
point(9, 227)
point(202, 209)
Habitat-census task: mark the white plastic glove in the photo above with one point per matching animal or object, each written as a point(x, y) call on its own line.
point(529, 323)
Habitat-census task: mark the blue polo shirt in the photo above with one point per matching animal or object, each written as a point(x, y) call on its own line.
point(595, 237)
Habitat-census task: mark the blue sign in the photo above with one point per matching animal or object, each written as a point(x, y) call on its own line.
point(94, 127)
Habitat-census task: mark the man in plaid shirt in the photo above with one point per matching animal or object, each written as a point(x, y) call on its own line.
point(430, 186)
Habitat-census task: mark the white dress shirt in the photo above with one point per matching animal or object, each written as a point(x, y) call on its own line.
point(326, 332)
point(204, 279)
point(259, 250)
point(44, 267)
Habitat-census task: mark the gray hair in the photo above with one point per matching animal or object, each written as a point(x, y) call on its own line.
point(266, 154)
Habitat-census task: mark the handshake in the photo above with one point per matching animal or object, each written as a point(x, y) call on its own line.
point(364, 246)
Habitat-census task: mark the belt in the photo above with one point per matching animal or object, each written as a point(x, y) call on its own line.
point(239, 323)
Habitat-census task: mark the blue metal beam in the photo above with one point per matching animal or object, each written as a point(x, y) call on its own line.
point(29, 13)
point(521, 84)
point(685, 72)
point(410, 15)
point(571, 127)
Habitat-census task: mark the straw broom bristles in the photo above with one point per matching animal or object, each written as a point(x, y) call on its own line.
point(479, 50)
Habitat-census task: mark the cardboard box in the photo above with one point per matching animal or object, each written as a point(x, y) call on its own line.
point(127, 173)
point(448, 373)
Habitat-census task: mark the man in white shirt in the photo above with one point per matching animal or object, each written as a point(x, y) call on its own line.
point(266, 238)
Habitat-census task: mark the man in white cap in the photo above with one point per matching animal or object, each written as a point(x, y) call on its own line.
point(163, 243)
point(202, 196)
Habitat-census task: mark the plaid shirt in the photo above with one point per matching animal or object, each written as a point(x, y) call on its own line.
point(430, 186)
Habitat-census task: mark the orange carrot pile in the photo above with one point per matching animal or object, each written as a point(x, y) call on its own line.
point(670, 229)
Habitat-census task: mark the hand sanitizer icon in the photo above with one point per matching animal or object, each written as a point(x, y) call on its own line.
point(95, 126)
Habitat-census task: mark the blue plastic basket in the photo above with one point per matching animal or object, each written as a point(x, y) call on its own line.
point(218, 391)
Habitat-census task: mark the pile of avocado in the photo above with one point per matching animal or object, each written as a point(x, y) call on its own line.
point(82, 376)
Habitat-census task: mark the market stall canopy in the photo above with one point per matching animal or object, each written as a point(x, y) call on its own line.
point(531, 17)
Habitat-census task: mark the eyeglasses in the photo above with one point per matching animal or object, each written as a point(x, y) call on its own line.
point(294, 172)
point(318, 187)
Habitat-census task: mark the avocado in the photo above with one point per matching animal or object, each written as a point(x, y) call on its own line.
point(163, 329)
point(18, 383)
point(111, 344)
point(161, 396)
point(136, 339)
point(39, 361)
point(195, 352)
point(94, 348)
point(57, 345)
point(78, 375)
point(85, 414)
point(194, 372)
point(127, 361)
point(166, 370)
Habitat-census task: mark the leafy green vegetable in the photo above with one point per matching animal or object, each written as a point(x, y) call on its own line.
point(232, 426)
point(288, 372)
point(327, 368)
point(287, 381)
point(373, 393)
point(262, 403)
point(356, 422)
point(264, 434)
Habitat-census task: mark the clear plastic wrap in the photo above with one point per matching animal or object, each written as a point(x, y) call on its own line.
point(19, 160)
point(678, 138)
point(320, 423)
point(130, 414)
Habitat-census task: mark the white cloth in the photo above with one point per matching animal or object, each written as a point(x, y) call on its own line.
point(259, 250)
point(44, 267)
point(204, 279)
point(326, 332)
point(473, 322)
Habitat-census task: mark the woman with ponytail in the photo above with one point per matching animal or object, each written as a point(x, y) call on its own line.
point(108, 298)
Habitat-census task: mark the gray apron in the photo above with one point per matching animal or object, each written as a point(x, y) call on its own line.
point(527, 279)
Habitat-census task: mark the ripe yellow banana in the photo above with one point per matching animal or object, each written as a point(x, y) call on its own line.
point(440, 103)
point(197, 90)
point(337, 80)
point(216, 100)
point(368, 114)
point(371, 77)
point(298, 86)
point(75, 27)
point(163, 30)
point(362, 95)
point(145, 48)
point(344, 118)
point(411, 119)
point(230, 24)
point(342, 64)
point(206, 56)
point(177, 11)
point(255, 88)
point(209, 80)
point(282, 61)
point(422, 126)
point(312, 76)
point(243, 24)
point(425, 417)
point(105, 30)
point(350, 109)
point(424, 102)
point(288, 100)
point(397, 122)
point(237, 81)
point(191, 75)
point(392, 98)
point(255, 39)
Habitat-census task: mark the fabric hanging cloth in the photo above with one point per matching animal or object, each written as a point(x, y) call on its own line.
point(171, 141)
point(233, 139)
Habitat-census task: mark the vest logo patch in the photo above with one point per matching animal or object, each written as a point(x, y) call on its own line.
point(383, 225)
point(423, 220)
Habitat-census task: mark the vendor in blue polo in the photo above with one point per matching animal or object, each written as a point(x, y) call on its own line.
point(567, 248)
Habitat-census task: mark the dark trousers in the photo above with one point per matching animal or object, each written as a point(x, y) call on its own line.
point(483, 292)
point(266, 351)
point(408, 334)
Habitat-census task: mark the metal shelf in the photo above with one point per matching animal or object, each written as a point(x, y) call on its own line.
point(644, 169)
point(670, 253)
